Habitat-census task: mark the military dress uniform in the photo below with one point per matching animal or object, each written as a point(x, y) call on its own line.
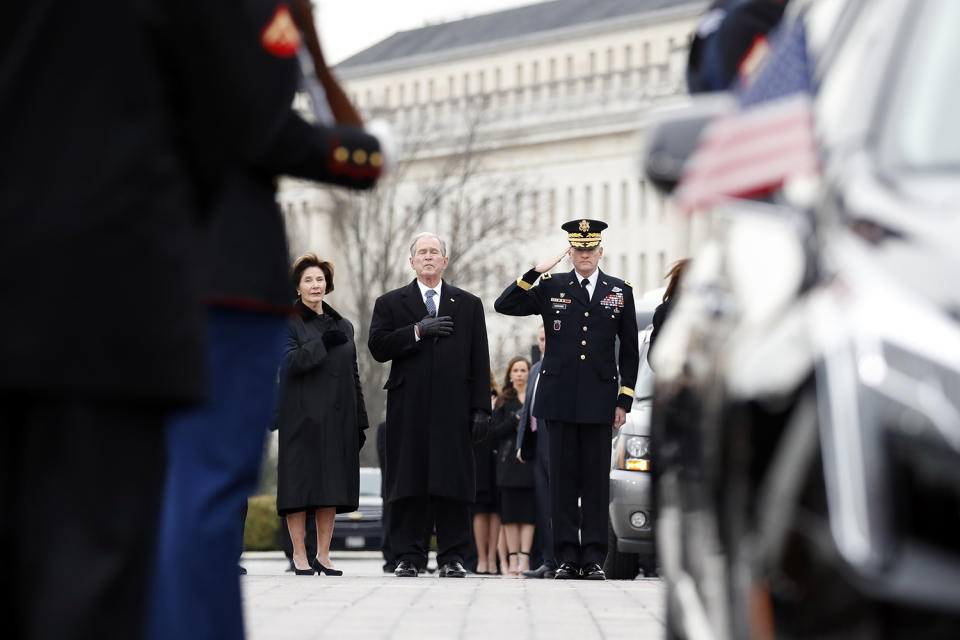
point(579, 389)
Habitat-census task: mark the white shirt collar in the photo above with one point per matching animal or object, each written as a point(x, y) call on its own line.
point(424, 288)
point(592, 277)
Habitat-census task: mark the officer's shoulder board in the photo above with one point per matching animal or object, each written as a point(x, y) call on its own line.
point(628, 284)
point(546, 276)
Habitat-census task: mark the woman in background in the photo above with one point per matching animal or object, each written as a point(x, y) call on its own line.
point(321, 417)
point(486, 506)
point(515, 479)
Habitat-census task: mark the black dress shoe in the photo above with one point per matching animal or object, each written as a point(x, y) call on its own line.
point(243, 571)
point(319, 568)
point(453, 570)
point(543, 571)
point(405, 569)
point(592, 571)
point(567, 571)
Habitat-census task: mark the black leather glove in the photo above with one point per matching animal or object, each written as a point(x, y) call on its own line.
point(479, 425)
point(333, 337)
point(431, 327)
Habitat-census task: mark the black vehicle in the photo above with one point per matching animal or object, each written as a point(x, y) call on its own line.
point(363, 528)
point(807, 402)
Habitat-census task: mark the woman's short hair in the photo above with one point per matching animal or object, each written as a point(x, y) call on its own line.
point(308, 260)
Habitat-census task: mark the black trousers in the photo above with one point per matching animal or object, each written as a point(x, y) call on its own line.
point(97, 466)
point(410, 518)
point(579, 468)
point(541, 475)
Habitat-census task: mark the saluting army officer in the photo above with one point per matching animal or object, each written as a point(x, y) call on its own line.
point(580, 393)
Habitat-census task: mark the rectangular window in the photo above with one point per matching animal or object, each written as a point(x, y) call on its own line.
point(610, 59)
point(416, 92)
point(642, 198)
point(627, 57)
point(661, 264)
point(430, 90)
point(624, 267)
point(645, 60)
point(569, 66)
point(535, 71)
point(400, 95)
point(496, 79)
point(552, 209)
point(535, 220)
point(624, 202)
point(386, 96)
point(466, 84)
point(605, 211)
point(642, 283)
point(587, 200)
point(570, 211)
point(481, 85)
point(552, 70)
point(519, 75)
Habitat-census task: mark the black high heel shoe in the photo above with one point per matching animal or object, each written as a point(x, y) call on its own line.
point(315, 564)
point(302, 572)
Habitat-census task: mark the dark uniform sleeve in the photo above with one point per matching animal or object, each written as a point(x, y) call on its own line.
point(521, 298)
point(629, 351)
point(386, 341)
point(337, 154)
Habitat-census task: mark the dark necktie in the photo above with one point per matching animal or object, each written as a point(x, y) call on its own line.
point(584, 284)
point(431, 305)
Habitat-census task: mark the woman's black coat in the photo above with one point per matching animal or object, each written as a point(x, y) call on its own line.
point(321, 416)
point(511, 473)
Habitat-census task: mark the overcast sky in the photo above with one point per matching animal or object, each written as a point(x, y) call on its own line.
point(349, 26)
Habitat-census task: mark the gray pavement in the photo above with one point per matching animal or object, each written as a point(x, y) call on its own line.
point(364, 603)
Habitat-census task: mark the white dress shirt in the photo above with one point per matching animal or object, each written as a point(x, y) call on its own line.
point(592, 284)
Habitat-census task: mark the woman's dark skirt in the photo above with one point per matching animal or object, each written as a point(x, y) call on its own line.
point(518, 506)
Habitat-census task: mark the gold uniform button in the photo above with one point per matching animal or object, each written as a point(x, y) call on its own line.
point(583, 357)
point(340, 154)
point(584, 328)
point(583, 342)
point(376, 159)
point(359, 156)
point(586, 314)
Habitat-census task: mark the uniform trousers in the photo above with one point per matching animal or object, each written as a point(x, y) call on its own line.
point(215, 454)
point(579, 468)
point(81, 480)
point(410, 518)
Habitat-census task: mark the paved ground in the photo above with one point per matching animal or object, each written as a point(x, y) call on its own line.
point(366, 604)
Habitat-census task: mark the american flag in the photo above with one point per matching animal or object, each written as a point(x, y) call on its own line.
point(768, 138)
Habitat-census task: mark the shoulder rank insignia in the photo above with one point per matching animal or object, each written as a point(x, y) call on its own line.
point(280, 37)
point(628, 284)
point(546, 276)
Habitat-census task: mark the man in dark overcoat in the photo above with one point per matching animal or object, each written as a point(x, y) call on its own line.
point(581, 390)
point(438, 395)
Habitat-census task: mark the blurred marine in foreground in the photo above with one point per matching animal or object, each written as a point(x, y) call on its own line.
point(131, 127)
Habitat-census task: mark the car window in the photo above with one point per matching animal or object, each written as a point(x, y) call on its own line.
point(370, 483)
point(921, 129)
point(643, 390)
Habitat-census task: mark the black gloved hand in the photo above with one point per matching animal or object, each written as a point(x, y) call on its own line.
point(479, 425)
point(431, 327)
point(333, 337)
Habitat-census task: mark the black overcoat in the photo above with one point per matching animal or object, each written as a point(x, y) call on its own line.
point(433, 387)
point(321, 416)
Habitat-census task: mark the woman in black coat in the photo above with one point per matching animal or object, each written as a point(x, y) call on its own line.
point(321, 417)
point(515, 479)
